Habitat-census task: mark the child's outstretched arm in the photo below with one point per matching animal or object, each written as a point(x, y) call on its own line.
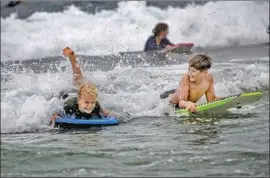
point(77, 73)
point(52, 119)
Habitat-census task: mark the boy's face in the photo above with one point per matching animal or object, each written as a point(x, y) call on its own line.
point(86, 103)
point(194, 74)
point(164, 34)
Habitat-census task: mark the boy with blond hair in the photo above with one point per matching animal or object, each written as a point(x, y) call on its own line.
point(86, 104)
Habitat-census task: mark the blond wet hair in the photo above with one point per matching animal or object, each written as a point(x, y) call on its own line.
point(88, 89)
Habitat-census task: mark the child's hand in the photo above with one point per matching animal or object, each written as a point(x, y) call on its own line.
point(68, 52)
point(105, 112)
point(52, 119)
point(191, 107)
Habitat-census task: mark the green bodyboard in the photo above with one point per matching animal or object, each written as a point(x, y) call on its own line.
point(222, 106)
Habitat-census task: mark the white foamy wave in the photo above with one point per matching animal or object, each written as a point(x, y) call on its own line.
point(27, 105)
point(27, 101)
point(127, 28)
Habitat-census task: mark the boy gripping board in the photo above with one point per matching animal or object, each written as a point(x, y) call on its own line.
point(222, 105)
point(198, 82)
point(86, 105)
point(194, 84)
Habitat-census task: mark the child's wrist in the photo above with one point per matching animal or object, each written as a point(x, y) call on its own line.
point(72, 56)
point(72, 53)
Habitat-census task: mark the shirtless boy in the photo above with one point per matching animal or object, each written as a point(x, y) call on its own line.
point(194, 84)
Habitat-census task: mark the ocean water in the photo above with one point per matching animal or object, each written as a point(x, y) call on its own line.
point(147, 143)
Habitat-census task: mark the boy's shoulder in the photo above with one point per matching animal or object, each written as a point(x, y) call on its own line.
point(185, 77)
point(209, 77)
